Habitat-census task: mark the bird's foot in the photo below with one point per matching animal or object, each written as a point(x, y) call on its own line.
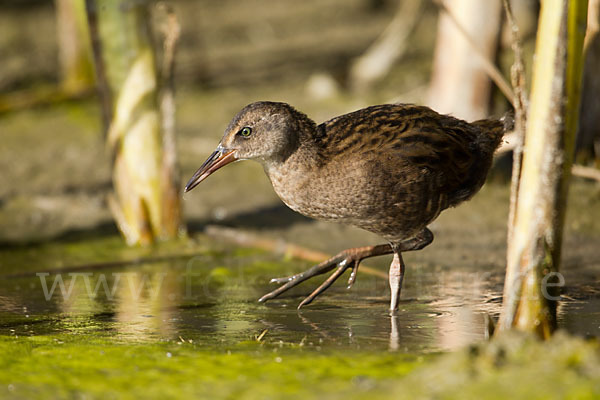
point(347, 259)
point(298, 277)
point(342, 263)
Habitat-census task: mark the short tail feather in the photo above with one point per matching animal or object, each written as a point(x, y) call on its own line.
point(494, 129)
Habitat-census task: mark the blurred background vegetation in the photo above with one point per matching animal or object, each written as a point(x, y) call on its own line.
point(311, 54)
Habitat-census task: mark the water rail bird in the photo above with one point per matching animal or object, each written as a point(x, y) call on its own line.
point(389, 169)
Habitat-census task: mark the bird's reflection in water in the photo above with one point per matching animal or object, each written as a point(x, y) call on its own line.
point(323, 333)
point(394, 334)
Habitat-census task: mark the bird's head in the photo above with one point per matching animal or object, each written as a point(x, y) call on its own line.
point(262, 131)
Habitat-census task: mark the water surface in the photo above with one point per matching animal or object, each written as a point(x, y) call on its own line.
point(208, 297)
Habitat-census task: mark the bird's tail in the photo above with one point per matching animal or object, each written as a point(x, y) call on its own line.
point(494, 129)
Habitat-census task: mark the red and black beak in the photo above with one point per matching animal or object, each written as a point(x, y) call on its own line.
point(219, 158)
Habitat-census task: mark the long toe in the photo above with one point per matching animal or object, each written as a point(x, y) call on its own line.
point(349, 258)
point(325, 285)
point(283, 279)
point(291, 281)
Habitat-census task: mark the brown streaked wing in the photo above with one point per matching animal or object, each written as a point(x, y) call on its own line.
point(445, 145)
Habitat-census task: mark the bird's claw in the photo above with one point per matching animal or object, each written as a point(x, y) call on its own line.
point(283, 279)
point(352, 277)
point(343, 261)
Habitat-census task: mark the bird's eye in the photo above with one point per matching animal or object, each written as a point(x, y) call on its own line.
point(245, 131)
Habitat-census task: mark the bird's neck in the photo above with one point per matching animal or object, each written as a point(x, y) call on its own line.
point(291, 173)
point(293, 177)
point(302, 154)
point(305, 158)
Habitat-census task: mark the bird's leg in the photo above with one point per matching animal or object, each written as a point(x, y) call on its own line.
point(396, 274)
point(350, 258)
point(346, 259)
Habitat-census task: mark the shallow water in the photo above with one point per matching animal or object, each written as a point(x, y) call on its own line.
point(209, 297)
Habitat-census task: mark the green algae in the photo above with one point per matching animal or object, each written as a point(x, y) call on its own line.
point(66, 366)
point(514, 366)
point(59, 367)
